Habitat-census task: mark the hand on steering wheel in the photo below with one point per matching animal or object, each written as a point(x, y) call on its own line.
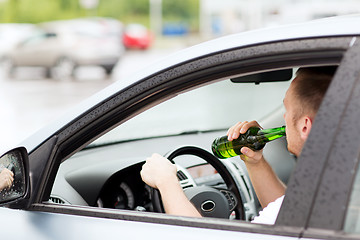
point(209, 201)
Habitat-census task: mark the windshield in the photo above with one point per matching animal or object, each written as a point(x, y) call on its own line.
point(212, 107)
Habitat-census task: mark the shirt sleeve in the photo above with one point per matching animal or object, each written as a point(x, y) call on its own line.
point(269, 214)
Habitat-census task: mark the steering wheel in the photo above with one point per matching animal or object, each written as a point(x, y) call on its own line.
point(209, 201)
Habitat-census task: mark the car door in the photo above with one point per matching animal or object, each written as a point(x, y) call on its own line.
point(125, 103)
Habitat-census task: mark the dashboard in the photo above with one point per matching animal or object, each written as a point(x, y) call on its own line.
point(125, 190)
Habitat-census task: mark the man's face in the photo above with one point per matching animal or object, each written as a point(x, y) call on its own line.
point(291, 116)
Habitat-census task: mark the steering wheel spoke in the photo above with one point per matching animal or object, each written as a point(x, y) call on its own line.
point(231, 198)
point(185, 178)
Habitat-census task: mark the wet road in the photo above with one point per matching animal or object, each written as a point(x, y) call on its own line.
point(29, 101)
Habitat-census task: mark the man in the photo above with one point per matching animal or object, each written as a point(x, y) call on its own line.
point(6, 178)
point(301, 103)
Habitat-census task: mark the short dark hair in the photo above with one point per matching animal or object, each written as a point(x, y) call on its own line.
point(311, 86)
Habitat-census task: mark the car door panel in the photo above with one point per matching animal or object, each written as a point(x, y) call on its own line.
point(42, 225)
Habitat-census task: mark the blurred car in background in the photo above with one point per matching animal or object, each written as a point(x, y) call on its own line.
point(137, 36)
point(12, 33)
point(108, 26)
point(61, 46)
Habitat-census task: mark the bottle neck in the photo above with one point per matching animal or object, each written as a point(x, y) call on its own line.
point(271, 134)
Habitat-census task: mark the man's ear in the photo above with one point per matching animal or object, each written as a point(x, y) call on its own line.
point(305, 125)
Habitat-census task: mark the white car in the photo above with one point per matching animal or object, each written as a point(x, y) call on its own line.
point(61, 46)
point(78, 178)
point(12, 33)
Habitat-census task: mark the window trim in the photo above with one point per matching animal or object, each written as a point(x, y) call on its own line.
point(148, 217)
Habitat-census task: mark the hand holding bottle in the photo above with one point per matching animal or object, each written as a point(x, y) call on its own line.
point(234, 132)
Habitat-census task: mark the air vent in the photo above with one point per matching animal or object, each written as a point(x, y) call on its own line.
point(57, 200)
point(181, 176)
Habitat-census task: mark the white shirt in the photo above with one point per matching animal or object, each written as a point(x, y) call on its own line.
point(269, 214)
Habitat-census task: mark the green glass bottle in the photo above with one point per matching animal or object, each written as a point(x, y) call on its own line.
point(254, 138)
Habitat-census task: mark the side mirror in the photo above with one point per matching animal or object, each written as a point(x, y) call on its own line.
point(16, 161)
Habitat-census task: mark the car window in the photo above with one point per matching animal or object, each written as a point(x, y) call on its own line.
point(35, 40)
point(352, 221)
point(106, 173)
point(212, 107)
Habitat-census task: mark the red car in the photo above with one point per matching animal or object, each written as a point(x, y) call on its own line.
point(137, 36)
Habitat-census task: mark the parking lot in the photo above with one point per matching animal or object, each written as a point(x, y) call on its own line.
point(29, 101)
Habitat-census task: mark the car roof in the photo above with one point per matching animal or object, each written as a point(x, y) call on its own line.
point(334, 27)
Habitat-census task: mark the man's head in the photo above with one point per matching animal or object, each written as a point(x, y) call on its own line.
point(302, 101)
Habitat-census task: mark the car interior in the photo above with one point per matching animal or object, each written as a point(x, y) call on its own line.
point(106, 173)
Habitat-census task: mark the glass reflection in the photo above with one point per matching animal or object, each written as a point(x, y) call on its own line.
point(12, 176)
